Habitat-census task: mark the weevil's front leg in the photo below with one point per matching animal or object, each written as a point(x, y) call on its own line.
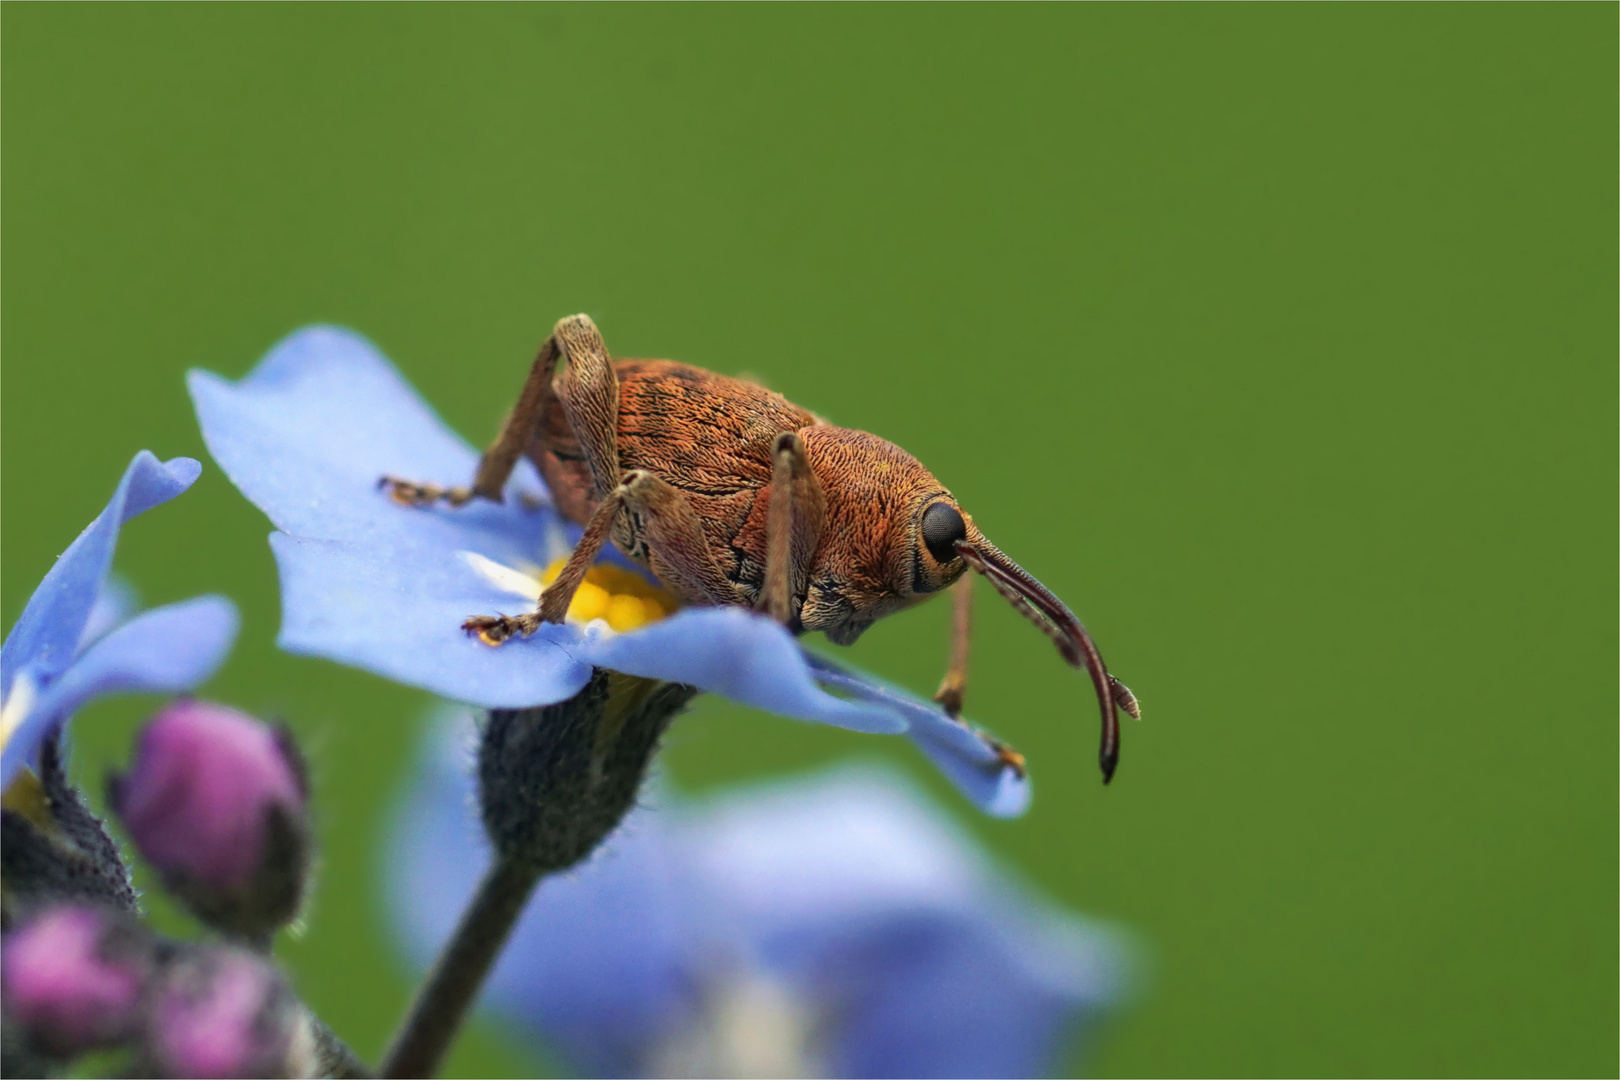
point(498, 461)
point(793, 522)
point(673, 533)
point(953, 688)
point(555, 598)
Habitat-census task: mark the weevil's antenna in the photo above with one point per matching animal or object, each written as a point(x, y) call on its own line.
point(1037, 604)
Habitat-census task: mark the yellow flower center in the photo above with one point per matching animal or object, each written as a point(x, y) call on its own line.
point(622, 598)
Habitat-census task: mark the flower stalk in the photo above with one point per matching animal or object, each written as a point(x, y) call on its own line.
point(554, 782)
point(442, 1002)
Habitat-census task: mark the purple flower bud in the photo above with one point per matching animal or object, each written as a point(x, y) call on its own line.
point(223, 1011)
point(215, 801)
point(72, 979)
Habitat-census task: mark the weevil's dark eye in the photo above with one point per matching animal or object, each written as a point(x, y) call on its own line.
point(942, 527)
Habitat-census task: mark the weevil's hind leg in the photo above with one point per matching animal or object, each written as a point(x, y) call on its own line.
point(793, 522)
point(589, 392)
point(953, 688)
point(498, 461)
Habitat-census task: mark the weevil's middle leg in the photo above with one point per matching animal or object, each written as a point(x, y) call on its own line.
point(793, 524)
point(677, 547)
point(953, 688)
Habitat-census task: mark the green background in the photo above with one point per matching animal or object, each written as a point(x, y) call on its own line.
point(1279, 340)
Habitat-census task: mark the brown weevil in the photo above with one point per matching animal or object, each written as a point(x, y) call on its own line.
point(729, 494)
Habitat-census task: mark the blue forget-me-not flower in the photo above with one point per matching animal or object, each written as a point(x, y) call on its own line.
point(74, 640)
point(307, 435)
point(833, 925)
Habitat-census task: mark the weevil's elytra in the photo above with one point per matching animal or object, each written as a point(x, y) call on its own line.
point(729, 494)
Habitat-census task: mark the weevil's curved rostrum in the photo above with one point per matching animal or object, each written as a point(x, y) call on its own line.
point(1037, 604)
point(731, 496)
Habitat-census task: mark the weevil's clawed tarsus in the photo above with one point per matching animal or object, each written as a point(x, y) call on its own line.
point(1037, 604)
point(411, 493)
point(1008, 757)
point(497, 629)
point(1125, 699)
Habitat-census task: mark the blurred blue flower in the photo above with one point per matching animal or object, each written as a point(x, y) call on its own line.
point(306, 436)
point(835, 924)
point(72, 642)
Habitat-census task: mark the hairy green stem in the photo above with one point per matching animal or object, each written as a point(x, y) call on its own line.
point(442, 1002)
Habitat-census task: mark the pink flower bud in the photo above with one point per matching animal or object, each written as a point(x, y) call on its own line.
point(72, 979)
point(215, 801)
point(224, 1012)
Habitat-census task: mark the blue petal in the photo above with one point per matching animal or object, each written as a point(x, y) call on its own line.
point(308, 433)
point(114, 605)
point(365, 581)
point(166, 650)
point(955, 748)
point(46, 636)
point(852, 889)
point(396, 609)
point(745, 657)
point(945, 993)
point(611, 953)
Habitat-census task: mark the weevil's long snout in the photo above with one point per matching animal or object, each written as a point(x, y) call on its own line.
point(1041, 607)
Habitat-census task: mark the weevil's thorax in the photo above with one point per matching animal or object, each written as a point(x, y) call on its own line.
point(868, 563)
